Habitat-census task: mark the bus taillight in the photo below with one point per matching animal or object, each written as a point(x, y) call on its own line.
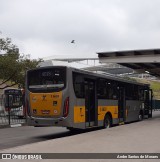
point(6, 109)
point(66, 107)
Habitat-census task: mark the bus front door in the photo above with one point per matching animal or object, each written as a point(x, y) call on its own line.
point(91, 103)
point(150, 103)
point(121, 105)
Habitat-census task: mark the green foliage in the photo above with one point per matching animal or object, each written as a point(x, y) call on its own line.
point(13, 65)
point(154, 85)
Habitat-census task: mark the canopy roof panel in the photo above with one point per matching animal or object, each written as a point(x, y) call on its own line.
point(147, 60)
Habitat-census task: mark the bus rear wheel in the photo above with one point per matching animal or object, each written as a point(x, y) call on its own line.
point(107, 121)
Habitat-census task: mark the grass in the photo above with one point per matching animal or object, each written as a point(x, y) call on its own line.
point(154, 85)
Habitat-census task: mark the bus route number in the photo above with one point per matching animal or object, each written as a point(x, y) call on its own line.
point(46, 73)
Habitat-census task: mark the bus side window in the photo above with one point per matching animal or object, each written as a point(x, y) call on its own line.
point(112, 90)
point(141, 94)
point(78, 84)
point(101, 89)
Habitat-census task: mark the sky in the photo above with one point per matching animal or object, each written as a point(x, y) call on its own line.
point(44, 28)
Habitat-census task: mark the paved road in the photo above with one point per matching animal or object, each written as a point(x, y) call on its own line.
point(11, 137)
point(17, 136)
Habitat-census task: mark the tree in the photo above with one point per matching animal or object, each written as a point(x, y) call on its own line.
point(13, 66)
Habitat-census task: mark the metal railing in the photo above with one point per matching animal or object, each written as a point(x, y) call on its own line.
point(12, 116)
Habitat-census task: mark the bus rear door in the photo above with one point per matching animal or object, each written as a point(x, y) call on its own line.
point(91, 103)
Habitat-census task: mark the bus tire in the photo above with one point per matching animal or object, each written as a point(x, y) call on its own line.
point(71, 129)
point(107, 121)
point(140, 116)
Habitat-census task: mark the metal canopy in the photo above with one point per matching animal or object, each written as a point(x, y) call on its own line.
point(111, 69)
point(140, 60)
point(74, 59)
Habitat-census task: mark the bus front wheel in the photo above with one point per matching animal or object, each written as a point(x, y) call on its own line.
point(140, 116)
point(107, 121)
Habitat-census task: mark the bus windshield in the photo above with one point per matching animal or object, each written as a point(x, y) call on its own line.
point(48, 79)
point(13, 96)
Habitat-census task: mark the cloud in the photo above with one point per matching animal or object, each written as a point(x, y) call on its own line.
point(45, 27)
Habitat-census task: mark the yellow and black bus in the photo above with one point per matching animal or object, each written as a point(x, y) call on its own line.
point(73, 98)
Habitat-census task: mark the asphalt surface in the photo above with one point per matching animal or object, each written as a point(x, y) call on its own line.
point(17, 136)
point(12, 137)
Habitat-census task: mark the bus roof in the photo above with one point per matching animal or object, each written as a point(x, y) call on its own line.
point(111, 77)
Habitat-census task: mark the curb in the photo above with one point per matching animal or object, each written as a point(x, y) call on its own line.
point(13, 125)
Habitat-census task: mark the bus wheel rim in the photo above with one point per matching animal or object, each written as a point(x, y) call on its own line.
point(107, 123)
point(140, 117)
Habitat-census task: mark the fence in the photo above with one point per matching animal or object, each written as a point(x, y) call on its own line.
point(11, 116)
point(156, 105)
